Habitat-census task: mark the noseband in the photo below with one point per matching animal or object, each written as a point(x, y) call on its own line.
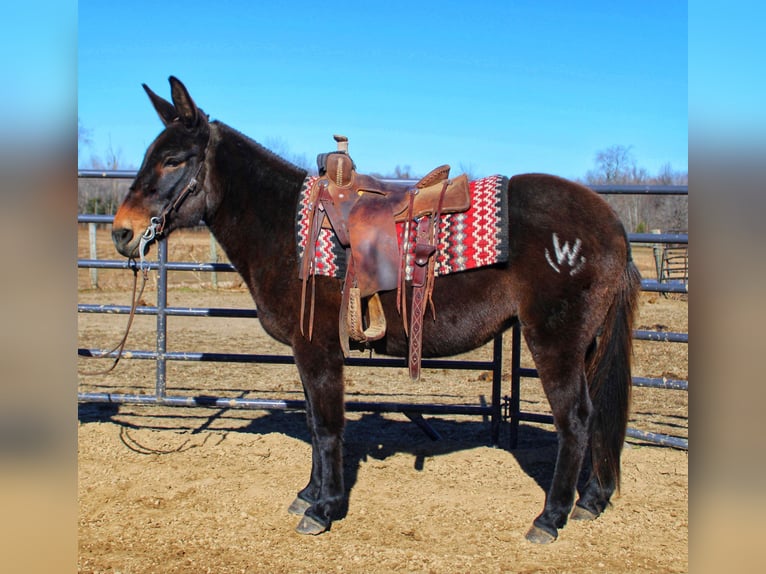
point(157, 224)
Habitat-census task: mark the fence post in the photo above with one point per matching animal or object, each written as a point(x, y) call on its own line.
point(93, 254)
point(214, 259)
point(657, 250)
point(515, 406)
point(162, 320)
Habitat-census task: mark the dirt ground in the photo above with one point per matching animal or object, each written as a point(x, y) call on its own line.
point(206, 490)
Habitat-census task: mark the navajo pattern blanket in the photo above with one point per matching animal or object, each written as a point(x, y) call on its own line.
point(475, 238)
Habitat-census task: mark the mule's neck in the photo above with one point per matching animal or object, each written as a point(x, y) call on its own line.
point(254, 195)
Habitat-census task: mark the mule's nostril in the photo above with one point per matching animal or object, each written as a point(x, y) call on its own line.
point(121, 235)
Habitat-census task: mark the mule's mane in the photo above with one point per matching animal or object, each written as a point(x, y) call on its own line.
point(254, 211)
point(273, 160)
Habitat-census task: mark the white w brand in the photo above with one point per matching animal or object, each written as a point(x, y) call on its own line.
point(565, 255)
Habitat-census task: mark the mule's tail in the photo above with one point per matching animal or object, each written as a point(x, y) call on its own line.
point(609, 376)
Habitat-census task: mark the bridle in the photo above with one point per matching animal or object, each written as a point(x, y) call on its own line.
point(154, 231)
point(157, 224)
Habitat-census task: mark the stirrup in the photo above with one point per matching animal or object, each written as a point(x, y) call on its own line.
point(377, 327)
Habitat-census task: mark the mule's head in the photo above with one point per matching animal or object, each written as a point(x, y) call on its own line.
point(165, 185)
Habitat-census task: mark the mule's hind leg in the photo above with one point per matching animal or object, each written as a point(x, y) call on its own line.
point(609, 378)
point(607, 436)
point(561, 370)
point(595, 496)
point(602, 482)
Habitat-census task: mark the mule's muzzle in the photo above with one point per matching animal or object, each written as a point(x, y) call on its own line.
point(125, 241)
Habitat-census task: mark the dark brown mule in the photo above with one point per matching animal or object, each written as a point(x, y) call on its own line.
point(570, 282)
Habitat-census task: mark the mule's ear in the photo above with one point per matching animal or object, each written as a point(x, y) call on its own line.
point(185, 107)
point(164, 108)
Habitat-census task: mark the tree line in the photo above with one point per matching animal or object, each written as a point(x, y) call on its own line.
point(616, 165)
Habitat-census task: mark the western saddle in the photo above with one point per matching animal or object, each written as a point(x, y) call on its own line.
point(363, 211)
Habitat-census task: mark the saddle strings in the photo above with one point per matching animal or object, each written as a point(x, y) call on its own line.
point(401, 293)
point(434, 239)
point(433, 234)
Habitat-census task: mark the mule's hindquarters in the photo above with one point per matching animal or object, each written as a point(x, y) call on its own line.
point(590, 407)
point(577, 289)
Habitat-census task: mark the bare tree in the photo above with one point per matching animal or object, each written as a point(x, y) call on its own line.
point(469, 170)
point(616, 165)
point(112, 159)
point(399, 172)
point(279, 146)
point(403, 172)
point(100, 196)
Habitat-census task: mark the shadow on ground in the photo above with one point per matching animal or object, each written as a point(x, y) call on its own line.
point(367, 436)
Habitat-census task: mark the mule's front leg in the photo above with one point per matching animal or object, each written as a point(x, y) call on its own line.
point(310, 494)
point(324, 498)
point(319, 513)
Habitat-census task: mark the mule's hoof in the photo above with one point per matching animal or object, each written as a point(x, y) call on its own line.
point(309, 525)
point(580, 513)
point(539, 536)
point(298, 506)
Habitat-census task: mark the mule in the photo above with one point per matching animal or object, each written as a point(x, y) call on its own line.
point(570, 282)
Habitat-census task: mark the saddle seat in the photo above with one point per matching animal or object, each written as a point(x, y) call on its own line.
point(363, 211)
point(396, 195)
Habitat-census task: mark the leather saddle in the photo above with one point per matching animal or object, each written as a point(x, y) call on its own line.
point(363, 211)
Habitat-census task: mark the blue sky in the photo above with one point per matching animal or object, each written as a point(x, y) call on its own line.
point(504, 86)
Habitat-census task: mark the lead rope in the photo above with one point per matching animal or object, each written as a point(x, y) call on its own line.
point(121, 345)
point(146, 238)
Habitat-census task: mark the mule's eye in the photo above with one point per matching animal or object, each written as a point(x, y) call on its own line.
point(172, 162)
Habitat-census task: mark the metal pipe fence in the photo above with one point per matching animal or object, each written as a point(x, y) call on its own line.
point(500, 407)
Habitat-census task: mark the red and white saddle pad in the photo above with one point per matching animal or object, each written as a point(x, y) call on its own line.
point(475, 238)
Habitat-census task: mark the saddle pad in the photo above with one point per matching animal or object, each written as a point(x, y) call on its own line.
point(475, 238)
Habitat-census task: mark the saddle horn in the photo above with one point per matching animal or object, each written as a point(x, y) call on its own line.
point(342, 143)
